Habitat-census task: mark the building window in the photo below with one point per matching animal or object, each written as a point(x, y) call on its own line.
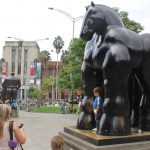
point(19, 60)
point(13, 60)
point(51, 71)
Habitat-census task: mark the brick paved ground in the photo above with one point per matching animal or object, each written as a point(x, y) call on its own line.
point(40, 127)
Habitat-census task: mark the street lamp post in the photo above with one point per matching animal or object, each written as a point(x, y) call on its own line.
point(57, 77)
point(73, 19)
point(52, 87)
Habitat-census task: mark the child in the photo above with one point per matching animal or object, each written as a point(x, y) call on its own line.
point(57, 143)
point(97, 105)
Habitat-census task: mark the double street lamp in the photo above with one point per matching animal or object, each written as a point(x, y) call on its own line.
point(73, 19)
point(18, 39)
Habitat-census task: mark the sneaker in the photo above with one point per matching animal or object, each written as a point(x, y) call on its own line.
point(95, 129)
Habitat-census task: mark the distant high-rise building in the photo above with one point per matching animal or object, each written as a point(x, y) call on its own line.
point(20, 57)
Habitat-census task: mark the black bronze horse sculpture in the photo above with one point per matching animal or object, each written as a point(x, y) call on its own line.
point(117, 60)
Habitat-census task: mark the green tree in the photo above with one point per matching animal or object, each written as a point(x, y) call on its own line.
point(46, 86)
point(63, 58)
point(35, 93)
point(30, 92)
point(58, 44)
point(2, 60)
point(128, 23)
point(44, 57)
point(38, 94)
point(70, 76)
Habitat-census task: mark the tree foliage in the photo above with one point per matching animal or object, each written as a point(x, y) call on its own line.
point(2, 60)
point(46, 84)
point(30, 92)
point(39, 92)
point(58, 43)
point(70, 76)
point(44, 57)
point(35, 93)
point(128, 23)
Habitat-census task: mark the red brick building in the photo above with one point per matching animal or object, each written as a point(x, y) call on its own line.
point(51, 68)
point(51, 72)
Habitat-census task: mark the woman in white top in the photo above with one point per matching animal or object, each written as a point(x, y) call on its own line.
point(18, 133)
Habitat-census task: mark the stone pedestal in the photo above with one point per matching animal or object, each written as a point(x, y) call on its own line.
point(88, 140)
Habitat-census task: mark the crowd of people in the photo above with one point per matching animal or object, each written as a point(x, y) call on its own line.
point(65, 105)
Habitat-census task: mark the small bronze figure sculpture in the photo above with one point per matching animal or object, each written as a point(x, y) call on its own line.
point(10, 87)
point(115, 59)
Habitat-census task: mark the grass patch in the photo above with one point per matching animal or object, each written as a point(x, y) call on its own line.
point(52, 109)
point(47, 109)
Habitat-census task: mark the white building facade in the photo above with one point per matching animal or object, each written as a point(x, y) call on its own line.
point(19, 55)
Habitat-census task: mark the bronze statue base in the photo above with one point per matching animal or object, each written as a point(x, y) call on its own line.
point(88, 139)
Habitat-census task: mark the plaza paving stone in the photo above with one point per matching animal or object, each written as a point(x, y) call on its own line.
point(41, 127)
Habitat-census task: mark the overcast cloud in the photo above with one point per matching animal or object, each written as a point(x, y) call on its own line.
point(32, 20)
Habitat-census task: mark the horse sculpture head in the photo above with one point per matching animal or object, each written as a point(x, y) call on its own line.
point(97, 18)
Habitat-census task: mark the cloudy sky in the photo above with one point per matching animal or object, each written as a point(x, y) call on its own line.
point(32, 20)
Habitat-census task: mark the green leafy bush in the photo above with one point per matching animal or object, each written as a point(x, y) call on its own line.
point(52, 109)
point(74, 110)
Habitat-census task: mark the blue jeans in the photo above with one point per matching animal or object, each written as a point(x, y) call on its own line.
point(97, 120)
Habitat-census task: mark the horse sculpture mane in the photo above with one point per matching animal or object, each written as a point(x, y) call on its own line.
point(110, 15)
point(102, 13)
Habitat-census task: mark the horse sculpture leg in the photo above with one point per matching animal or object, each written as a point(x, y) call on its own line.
point(86, 118)
point(116, 70)
point(145, 103)
point(135, 90)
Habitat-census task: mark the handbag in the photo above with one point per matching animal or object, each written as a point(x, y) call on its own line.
point(12, 143)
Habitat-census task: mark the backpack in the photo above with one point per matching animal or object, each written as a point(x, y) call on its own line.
point(12, 143)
